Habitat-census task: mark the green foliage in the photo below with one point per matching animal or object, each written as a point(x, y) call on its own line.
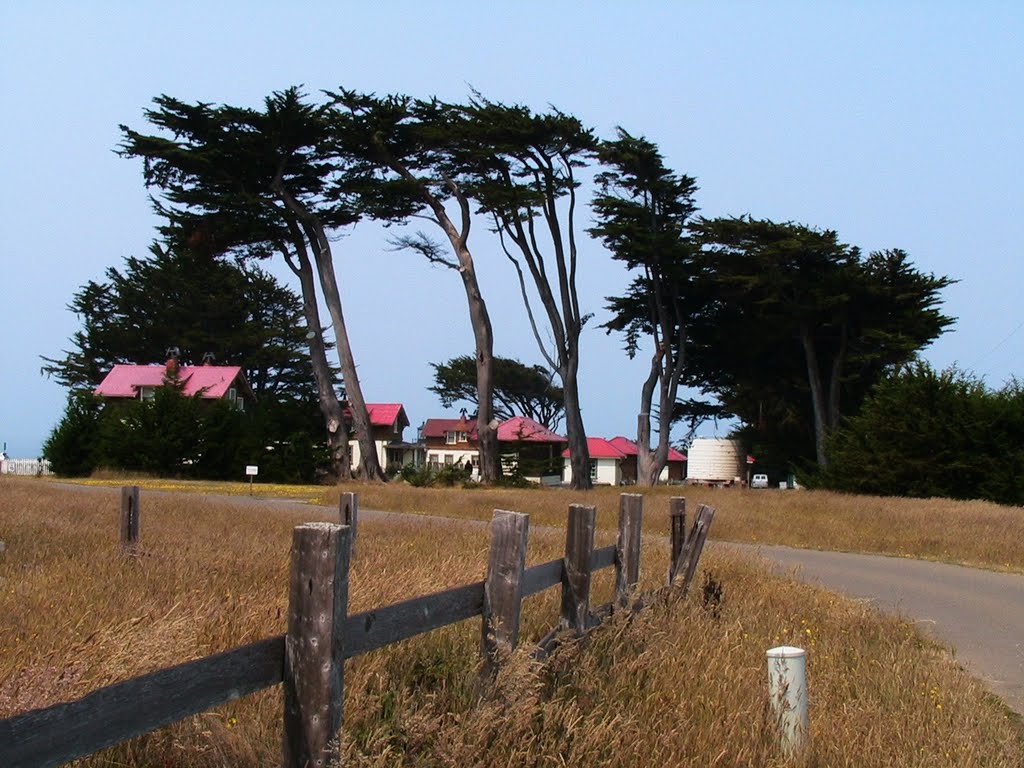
point(173, 435)
point(925, 433)
point(71, 445)
point(198, 304)
point(519, 390)
point(447, 476)
point(794, 327)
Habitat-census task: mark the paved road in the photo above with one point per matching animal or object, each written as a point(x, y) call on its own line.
point(980, 614)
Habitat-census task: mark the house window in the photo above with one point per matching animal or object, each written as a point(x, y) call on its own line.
point(450, 438)
point(593, 469)
point(462, 437)
point(449, 459)
point(147, 393)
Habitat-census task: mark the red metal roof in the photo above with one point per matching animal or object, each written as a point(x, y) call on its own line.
point(385, 414)
point(618, 447)
point(624, 444)
point(599, 448)
point(629, 448)
point(515, 430)
point(437, 427)
point(522, 429)
point(209, 381)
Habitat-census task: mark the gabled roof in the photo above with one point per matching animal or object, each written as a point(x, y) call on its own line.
point(599, 448)
point(618, 447)
point(624, 444)
point(522, 429)
point(386, 414)
point(437, 427)
point(209, 381)
point(629, 448)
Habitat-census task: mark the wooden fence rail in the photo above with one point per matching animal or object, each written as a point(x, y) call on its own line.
point(309, 659)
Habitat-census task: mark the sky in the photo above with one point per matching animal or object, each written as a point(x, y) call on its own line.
point(896, 124)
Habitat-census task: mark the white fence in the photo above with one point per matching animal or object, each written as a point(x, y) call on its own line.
point(25, 467)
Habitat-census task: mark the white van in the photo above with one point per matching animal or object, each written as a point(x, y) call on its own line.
point(759, 481)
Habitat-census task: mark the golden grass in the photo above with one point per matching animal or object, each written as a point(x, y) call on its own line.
point(975, 533)
point(677, 685)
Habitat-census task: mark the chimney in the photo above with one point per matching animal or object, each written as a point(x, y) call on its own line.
point(172, 361)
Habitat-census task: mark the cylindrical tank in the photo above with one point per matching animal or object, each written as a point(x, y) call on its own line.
point(714, 460)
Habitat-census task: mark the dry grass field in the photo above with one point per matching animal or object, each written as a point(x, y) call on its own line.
point(975, 533)
point(679, 684)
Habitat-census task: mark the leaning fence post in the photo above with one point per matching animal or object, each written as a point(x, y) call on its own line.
point(787, 691)
point(129, 516)
point(314, 656)
point(627, 549)
point(576, 572)
point(695, 544)
point(503, 588)
point(677, 525)
point(348, 513)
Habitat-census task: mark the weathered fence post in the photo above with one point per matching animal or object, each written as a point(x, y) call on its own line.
point(129, 516)
point(348, 512)
point(695, 544)
point(677, 525)
point(627, 548)
point(503, 588)
point(314, 656)
point(576, 572)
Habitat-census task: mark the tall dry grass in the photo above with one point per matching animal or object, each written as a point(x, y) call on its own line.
point(679, 684)
point(975, 533)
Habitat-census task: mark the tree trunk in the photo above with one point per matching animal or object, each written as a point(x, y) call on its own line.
point(579, 453)
point(836, 380)
point(483, 335)
point(334, 417)
point(646, 469)
point(817, 396)
point(369, 465)
point(480, 320)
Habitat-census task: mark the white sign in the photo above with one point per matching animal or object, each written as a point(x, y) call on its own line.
point(251, 470)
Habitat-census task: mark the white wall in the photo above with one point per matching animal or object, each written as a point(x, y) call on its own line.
point(609, 472)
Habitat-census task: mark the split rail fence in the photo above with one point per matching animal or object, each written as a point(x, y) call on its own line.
point(309, 659)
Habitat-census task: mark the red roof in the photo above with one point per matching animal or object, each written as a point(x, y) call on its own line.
point(385, 414)
point(599, 448)
point(437, 427)
point(515, 430)
point(625, 445)
point(522, 429)
point(619, 447)
point(209, 381)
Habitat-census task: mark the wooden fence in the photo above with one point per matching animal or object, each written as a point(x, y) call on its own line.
point(309, 659)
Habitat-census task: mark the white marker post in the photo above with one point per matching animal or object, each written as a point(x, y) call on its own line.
point(251, 470)
point(787, 689)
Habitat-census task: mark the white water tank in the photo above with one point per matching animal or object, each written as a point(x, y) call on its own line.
point(714, 460)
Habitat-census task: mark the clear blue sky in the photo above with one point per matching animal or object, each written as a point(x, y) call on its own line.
point(896, 124)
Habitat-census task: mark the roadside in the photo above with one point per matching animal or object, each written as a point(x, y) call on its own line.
point(978, 613)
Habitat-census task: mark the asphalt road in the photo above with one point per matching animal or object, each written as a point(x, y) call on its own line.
point(979, 614)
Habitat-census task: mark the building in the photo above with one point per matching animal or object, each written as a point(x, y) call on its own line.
point(525, 446)
point(614, 462)
point(209, 382)
point(387, 425)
